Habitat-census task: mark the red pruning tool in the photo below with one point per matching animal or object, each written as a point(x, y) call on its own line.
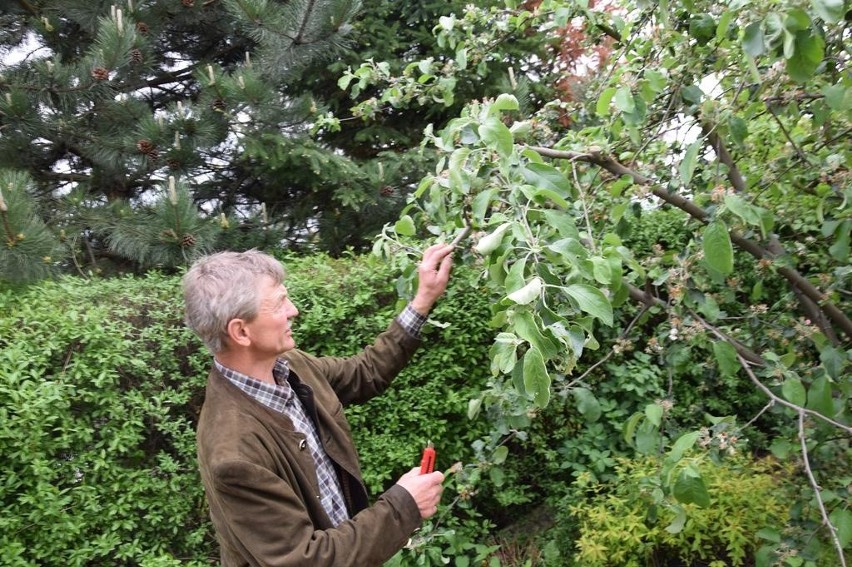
point(427, 462)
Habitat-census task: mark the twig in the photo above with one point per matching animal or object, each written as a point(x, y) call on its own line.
point(760, 413)
point(608, 355)
point(796, 147)
point(785, 403)
point(462, 235)
point(825, 519)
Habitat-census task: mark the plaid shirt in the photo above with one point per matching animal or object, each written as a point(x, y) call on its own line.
point(281, 398)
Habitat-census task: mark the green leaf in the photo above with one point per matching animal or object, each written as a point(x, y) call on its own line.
point(840, 249)
point(841, 519)
point(654, 414)
point(773, 28)
point(629, 429)
point(692, 94)
point(647, 438)
point(797, 20)
point(837, 97)
point(563, 222)
point(769, 534)
point(676, 526)
point(587, 404)
point(832, 359)
point(536, 379)
point(656, 80)
point(525, 327)
point(504, 353)
point(602, 270)
point(546, 177)
point(738, 129)
point(516, 279)
point(461, 58)
point(718, 251)
point(497, 476)
point(405, 226)
point(724, 24)
point(806, 57)
point(500, 454)
point(473, 407)
point(491, 242)
point(689, 489)
point(505, 102)
point(624, 100)
point(793, 391)
point(529, 293)
point(743, 209)
point(726, 358)
point(832, 11)
point(545, 195)
point(592, 301)
point(683, 444)
point(819, 397)
point(496, 136)
point(602, 107)
point(479, 207)
point(690, 160)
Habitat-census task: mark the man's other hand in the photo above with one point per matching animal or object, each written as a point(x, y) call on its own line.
point(426, 489)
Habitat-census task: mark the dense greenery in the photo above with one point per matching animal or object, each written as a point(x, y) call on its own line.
point(657, 199)
point(101, 384)
point(735, 117)
point(103, 102)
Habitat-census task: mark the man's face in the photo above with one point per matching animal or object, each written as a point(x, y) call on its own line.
point(270, 330)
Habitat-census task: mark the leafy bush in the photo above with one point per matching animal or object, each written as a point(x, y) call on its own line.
point(101, 384)
point(619, 526)
point(99, 388)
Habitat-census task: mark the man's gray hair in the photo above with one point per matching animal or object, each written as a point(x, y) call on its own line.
point(223, 286)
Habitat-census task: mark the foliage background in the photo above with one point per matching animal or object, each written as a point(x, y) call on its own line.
point(658, 194)
point(101, 385)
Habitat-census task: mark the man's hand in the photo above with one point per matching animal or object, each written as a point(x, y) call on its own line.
point(433, 274)
point(426, 490)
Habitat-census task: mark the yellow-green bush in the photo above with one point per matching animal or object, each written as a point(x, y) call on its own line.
point(619, 526)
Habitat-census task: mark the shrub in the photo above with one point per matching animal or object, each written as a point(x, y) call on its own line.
point(101, 385)
point(619, 525)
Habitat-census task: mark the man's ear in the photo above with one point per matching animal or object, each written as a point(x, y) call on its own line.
point(238, 333)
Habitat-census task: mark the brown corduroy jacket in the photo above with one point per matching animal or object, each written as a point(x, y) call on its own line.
point(260, 479)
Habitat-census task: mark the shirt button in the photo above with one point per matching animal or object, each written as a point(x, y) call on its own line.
point(302, 444)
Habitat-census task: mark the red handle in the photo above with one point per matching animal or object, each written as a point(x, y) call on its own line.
point(427, 462)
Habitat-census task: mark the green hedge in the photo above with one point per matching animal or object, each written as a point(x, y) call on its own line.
point(101, 384)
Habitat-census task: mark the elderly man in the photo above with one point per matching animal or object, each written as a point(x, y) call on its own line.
point(275, 451)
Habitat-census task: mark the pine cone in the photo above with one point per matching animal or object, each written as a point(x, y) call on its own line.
point(386, 191)
point(219, 105)
point(145, 146)
point(188, 3)
point(188, 241)
point(136, 56)
point(100, 73)
point(173, 163)
point(142, 27)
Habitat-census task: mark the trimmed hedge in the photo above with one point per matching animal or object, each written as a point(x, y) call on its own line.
point(101, 385)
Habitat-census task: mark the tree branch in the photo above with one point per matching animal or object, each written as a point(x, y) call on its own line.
point(825, 519)
point(734, 175)
point(646, 298)
point(793, 277)
point(782, 401)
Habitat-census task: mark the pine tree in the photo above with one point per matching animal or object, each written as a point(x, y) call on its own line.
point(238, 100)
point(110, 101)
